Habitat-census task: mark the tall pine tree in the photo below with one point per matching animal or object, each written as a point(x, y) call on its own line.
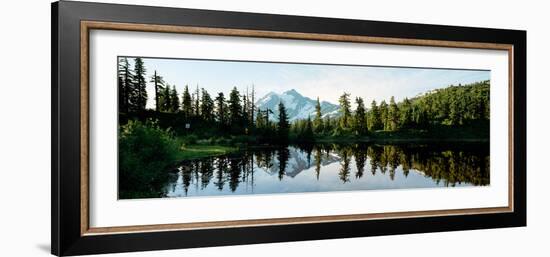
point(235, 107)
point(345, 110)
point(139, 99)
point(393, 115)
point(196, 105)
point(252, 106)
point(406, 114)
point(207, 106)
point(165, 99)
point(158, 82)
point(283, 125)
point(318, 120)
point(125, 84)
point(221, 109)
point(307, 134)
point(174, 100)
point(245, 109)
point(359, 120)
point(186, 103)
point(375, 120)
point(384, 115)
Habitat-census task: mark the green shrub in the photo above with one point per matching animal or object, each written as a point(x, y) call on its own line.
point(190, 139)
point(145, 151)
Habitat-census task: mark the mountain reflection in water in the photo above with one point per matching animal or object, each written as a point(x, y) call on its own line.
point(331, 167)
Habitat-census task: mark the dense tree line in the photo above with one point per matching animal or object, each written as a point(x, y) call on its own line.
point(452, 106)
point(237, 114)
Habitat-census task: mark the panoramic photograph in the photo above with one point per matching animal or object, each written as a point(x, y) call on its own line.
point(189, 128)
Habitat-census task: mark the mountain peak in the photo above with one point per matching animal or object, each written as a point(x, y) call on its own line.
point(291, 92)
point(270, 93)
point(297, 105)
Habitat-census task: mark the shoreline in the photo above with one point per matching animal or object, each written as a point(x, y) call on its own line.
point(211, 150)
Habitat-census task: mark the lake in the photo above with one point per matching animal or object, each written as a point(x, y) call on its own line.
point(331, 167)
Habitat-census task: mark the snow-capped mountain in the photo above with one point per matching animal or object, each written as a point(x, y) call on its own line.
point(298, 161)
point(297, 106)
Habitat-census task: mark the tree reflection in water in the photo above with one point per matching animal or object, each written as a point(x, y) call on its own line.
point(315, 168)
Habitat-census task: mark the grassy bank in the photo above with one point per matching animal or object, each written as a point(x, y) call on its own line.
point(200, 151)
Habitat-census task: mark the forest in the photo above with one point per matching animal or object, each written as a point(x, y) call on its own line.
point(196, 114)
point(197, 123)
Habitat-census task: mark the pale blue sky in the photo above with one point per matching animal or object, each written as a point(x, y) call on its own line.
point(327, 82)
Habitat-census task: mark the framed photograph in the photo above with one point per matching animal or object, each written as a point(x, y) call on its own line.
point(178, 128)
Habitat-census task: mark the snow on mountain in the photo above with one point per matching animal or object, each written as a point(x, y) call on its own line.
point(297, 106)
point(298, 161)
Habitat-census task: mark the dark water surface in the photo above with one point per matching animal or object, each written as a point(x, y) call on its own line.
point(331, 167)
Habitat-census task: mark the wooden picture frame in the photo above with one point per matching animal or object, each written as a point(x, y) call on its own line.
point(71, 25)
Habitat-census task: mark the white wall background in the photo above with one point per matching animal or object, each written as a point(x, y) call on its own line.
point(25, 127)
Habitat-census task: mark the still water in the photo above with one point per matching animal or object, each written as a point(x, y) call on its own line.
point(331, 167)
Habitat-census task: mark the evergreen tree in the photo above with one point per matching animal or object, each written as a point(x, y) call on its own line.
point(221, 109)
point(406, 114)
point(125, 84)
point(330, 124)
point(452, 106)
point(165, 99)
point(158, 82)
point(307, 134)
point(283, 124)
point(207, 106)
point(375, 121)
point(455, 112)
point(235, 108)
point(345, 109)
point(260, 120)
point(359, 121)
point(174, 100)
point(121, 89)
point(196, 105)
point(318, 121)
point(139, 99)
point(384, 115)
point(420, 116)
point(252, 106)
point(393, 115)
point(245, 109)
point(186, 103)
